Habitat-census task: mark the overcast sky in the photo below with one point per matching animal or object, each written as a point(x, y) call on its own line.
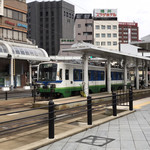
point(128, 10)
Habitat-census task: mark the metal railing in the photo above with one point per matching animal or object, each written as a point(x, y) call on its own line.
point(87, 108)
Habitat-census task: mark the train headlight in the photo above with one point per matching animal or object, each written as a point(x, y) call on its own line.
point(49, 86)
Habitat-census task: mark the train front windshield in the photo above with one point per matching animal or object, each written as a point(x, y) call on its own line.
point(47, 72)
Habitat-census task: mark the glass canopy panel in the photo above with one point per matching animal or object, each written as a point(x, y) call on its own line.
point(28, 51)
point(3, 48)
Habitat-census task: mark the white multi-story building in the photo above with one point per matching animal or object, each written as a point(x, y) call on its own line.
point(105, 28)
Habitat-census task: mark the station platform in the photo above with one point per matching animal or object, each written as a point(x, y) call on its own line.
point(104, 96)
point(103, 127)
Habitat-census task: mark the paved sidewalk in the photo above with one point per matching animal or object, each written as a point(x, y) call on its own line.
point(131, 132)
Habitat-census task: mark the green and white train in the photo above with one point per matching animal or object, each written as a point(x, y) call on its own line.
point(66, 79)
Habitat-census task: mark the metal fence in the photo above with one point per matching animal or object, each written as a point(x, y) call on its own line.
point(51, 114)
point(15, 94)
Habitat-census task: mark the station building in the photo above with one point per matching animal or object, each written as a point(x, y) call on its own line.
point(105, 28)
point(17, 54)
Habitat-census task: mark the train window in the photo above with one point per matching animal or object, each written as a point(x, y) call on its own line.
point(119, 75)
point(76, 75)
point(102, 75)
point(60, 74)
point(114, 75)
point(89, 74)
point(67, 74)
point(95, 75)
point(81, 75)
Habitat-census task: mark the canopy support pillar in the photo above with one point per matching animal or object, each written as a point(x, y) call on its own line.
point(146, 74)
point(108, 76)
point(86, 78)
point(137, 75)
point(125, 75)
point(30, 74)
point(11, 73)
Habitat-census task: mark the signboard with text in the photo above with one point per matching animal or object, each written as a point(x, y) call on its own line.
point(105, 13)
point(128, 24)
point(1, 7)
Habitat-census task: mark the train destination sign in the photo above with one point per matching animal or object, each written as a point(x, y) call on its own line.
point(104, 13)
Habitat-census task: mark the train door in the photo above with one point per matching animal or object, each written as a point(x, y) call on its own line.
point(67, 76)
point(106, 78)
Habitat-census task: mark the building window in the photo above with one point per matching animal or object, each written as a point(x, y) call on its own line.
point(102, 26)
point(79, 33)
point(24, 36)
point(15, 15)
point(87, 33)
point(10, 36)
point(97, 27)
point(79, 25)
point(9, 13)
point(46, 13)
point(134, 33)
point(114, 43)
point(114, 35)
point(103, 35)
point(102, 43)
point(20, 16)
point(97, 43)
point(134, 37)
point(16, 36)
point(88, 24)
point(108, 35)
point(97, 35)
point(108, 27)
point(125, 33)
point(4, 33)
point(41, 14)
point(114, 27)
point(109, 43)
point(134, 29)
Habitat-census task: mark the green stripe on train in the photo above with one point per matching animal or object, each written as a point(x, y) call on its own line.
point(68, 91)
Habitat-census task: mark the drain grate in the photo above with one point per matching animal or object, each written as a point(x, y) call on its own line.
point(95, 140)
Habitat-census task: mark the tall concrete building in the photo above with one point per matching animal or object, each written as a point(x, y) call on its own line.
point(13, 24)
point(84, 28)
point(128, 32)
point(105, 28)
point(48, 22)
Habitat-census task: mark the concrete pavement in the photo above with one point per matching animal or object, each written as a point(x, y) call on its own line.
point(130, 132)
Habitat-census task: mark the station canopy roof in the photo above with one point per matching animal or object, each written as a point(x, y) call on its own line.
point(113, 55)
point(22, 51)
point(144, 43)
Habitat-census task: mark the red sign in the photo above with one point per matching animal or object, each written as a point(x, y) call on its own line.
point(10, 23)
point(106, 15)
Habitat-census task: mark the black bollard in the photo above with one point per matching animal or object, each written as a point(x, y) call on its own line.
point(130, 99)
point(89, 110)
point(114, 104)
point(51, 119)
point(6, 95)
